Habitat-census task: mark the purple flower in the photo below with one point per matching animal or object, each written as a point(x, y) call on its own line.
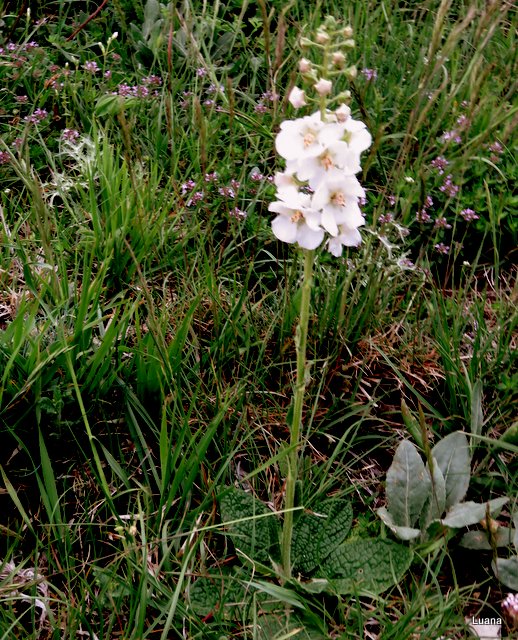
point(449, 188)
point(201, 72)
point(227, 192)
point(37, 116)
point(211, 177)
point(21, 99)
point(187, 186)
point(17, 143)
point(423, 216)
point(440, 163)
point(269, 96)
point(441, 223)
point(91, 66)
point(370, 74)
point(255, 176)
point(153, 81)
point(451, 136)
point(71, 135)
point(428, 202)
point(108, 74)
point(385, 218)
point(469, 215)
point(195, 198)
point(463, 121)
point(4, 157)
point(442, 248)
point(260, 108)
point(236, 212)
point(391, 200)
point(496, 147)
point(405, 263)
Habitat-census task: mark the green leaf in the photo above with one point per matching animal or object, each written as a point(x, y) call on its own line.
point(253, 528)
point(466, 513)
point(453, 458)
point(221, 593)
point(436, 503)
point(366, 566)
point(403, 533)
point(479, 539)
point(408, 485)
point(317, 534)
point(506, 570)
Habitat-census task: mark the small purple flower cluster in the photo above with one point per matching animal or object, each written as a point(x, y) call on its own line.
point(451, 136)
point(440, 163)
point(369, 74)
point(469, 215)
point(267, 97)
point(442, 248)
point(37, 116)
point(496, 151)
point(441, 223)
point(70, 135)
point(449, 187)
point(91, 66)
point(422, 216)
point(4, 157)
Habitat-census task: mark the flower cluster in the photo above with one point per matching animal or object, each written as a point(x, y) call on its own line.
point(318, 193)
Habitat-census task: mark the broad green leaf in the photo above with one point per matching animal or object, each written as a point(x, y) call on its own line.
point(408, 485)
point(315, 535)
point(480, 540)
point(366, 566)
point(466, 513)
point(436, 503)
point(221, 593)
point(453, 458)
point(253, 528)
point(506, 570)
point(403, 533)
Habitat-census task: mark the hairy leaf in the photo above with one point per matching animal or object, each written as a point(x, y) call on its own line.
point(506, 570)
point(408, 485)
point(404, 533)
point(436, 502)
point(466, 513)
point(315, 535)
point(453, 457)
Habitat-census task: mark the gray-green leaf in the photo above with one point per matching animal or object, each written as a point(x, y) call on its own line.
point(453, 457)
point(366, 566)
point(316, 535)
point(506, 570)
point(253, 528)
point(408, 485)
point(479, 539)
point(403, 533)
point(466, 513)
point(436, 503)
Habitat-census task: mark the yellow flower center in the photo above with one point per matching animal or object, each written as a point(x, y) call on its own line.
point(309, 139)
point(326, 161)
point(297, 216)
point(338, 199)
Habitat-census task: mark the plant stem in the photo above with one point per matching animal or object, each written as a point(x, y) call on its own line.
point(298, 403)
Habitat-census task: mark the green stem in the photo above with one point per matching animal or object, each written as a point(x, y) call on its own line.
point(298, 404)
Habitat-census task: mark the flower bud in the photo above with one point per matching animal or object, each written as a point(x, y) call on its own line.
point(322, 37)
point(323, 87)
point(347, 32)
point(297, 98)
point(342, 113)
point(348, 44)
point(338, 59)
point(351, 72)
point(305, 43)
point(304, 65)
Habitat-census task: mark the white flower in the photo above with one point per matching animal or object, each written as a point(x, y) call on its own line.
point(356, 135)
point(300, 137)
point(323, 87)
point(337, 199)
point(345, 238)
point(297, 97)
point(297, 220)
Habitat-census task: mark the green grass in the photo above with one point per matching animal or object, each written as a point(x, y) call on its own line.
point(147, 335)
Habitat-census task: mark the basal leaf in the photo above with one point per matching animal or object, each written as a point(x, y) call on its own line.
point(366, 566)
point(316, 534)
point(253, 528)
point(221, 593)
point(408, 485)
point(506, 570)
point(480, 540)
point(453, 457)
point(467, 513)
point(436, 502)
point(403, 533)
